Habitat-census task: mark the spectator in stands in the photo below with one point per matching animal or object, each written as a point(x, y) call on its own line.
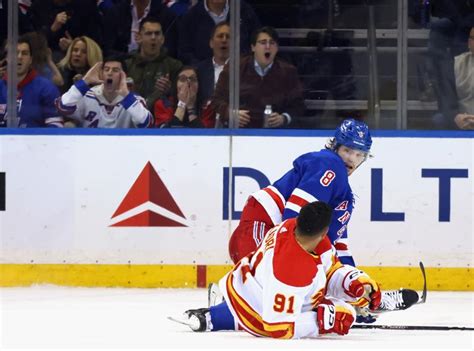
point(180, 7)
point(43, 61)
point(264, 80)
point(209, 69)
point(183, 108)
point(36, 94)
point(198, 24)
point(152, 70)
point(122, 25)
point(24, 23)
point(102, 99)
point(464, 74)
point(81, 55)
point(449, 32)
point(63, 20)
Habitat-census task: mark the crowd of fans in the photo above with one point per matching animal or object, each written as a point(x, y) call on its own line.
point(164, 63)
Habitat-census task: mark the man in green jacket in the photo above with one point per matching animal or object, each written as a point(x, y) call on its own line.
point(152, 70)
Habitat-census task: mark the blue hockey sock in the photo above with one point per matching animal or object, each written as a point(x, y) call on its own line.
point(221, 318)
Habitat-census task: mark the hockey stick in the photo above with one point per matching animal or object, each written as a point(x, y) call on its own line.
point(410, 327)
point(423, 295)
point(372, 315)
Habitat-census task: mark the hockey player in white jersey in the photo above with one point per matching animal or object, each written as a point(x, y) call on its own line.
point(102, 99)
point(293, 285)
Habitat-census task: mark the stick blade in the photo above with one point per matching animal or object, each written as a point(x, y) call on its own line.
point(423, 295)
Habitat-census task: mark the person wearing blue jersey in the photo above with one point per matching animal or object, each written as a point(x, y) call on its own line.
point(294, 286)
point(323, 176)
point(315, 176)
point(36, 94)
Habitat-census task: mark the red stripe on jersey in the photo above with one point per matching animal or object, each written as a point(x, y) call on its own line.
point(246, 268)
point(276, 198)
point(252, 321)
point(297, 200)
point(340, 246)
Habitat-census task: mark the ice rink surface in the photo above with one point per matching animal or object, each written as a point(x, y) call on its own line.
point(50, 317)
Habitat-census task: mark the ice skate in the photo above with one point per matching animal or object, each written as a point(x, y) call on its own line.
point(199, 320)
point(396, 300)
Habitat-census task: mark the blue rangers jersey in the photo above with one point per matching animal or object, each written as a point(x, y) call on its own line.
point(35, 102)
point(316, 176)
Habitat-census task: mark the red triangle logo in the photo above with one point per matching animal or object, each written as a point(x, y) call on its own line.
point(148, 188)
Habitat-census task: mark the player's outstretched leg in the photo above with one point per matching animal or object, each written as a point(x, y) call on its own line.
point(398, 300)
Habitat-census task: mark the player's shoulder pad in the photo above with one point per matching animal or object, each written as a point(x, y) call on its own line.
point(292, 265)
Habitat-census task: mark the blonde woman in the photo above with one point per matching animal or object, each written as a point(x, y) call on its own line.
point(81, 55)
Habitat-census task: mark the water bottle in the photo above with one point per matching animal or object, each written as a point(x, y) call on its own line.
point(266, 115)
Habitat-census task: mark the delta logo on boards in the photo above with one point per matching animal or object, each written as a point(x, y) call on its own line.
point(148, 203)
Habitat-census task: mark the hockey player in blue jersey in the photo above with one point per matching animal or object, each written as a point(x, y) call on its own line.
point(315, 176)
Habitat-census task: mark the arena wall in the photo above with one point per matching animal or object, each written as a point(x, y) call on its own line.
point(142, 209)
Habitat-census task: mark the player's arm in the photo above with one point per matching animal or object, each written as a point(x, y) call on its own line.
point(354, 286)
point(337, 233)
point(341, 245)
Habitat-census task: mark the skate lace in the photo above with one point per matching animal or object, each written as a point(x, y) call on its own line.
point(392, 300)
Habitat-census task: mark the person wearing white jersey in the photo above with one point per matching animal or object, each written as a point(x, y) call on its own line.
point(102, 99)
point(322, 175)
point(293, 286)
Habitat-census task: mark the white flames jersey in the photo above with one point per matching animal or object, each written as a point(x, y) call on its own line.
point(91, 110)
point(272, 291)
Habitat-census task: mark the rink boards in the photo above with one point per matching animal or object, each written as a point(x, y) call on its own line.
point(153, 210)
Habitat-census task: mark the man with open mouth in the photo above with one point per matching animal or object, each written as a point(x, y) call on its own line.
point(102, 99)
point(264, 80)
point(36, 94)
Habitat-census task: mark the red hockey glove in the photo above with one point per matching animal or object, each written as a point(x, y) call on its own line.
point(334, 318)
point(365, 289)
